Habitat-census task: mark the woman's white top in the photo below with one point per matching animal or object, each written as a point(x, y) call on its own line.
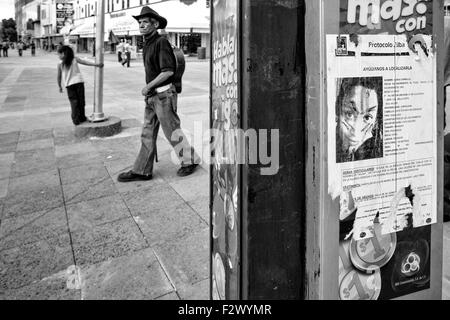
point(71, 75)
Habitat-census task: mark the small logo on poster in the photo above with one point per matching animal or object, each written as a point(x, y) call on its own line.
point(342, 46)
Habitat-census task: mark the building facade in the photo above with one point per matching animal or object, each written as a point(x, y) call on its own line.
point(41, 21)
point(188, 22)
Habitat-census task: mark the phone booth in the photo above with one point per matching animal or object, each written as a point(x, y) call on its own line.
point(327, 123)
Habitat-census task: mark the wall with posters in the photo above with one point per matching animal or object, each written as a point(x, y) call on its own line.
point(225, 174)
point(382, 145)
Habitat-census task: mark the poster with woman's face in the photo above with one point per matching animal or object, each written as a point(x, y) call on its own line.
point(359, 119)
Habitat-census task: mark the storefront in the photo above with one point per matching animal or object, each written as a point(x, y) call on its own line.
point(187, 28)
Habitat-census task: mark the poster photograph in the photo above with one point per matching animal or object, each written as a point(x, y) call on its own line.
point(382, 165)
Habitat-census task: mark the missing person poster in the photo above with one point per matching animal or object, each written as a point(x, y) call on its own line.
point(382, 164)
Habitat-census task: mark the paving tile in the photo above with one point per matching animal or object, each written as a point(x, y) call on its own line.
point(36, 135)
point(6, 161)
point(32, 227)
point(65, 136)
point(132, 277)
point(172, 222)
point(192, 188)
point(87, 173)
point(74, 149)
point(201, 206)
point(151, 199)
point(186, 259)
point(52, 288)
point(110, 240)
point(34, 161)
point(35, 144)
point(88, 214)
point(33, 193)
point(36, 122)
point(3, 188)
point(21, 266)
point(131, 123)
point(198, 291)
point(11, 125)
point(8, 141)
point(88, 190)
point(117, 148)
point(169, 297)
point(77, 160)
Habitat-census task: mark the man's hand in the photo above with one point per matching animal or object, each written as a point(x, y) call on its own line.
point(145, 91)
point(60, 90)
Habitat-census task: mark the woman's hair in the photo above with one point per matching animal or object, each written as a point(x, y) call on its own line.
point(68, 55)
point(345, 87)
point(348, 84)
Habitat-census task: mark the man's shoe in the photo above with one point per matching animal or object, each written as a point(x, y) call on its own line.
point(130, 176)
point(187, 171)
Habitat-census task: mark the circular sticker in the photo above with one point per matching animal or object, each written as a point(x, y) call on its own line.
point(369, 255)
point(359, 286)
point(410, 265)
point(229, 212)
point(219, 275)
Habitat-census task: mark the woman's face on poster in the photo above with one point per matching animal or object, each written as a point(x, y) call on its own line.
point(358, 116)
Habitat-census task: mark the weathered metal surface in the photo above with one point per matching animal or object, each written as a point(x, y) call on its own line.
point(273, 98)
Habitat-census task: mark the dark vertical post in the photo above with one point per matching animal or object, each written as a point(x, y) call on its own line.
point(273, 98)
point(257, 236)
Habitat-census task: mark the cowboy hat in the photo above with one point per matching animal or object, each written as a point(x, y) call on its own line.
point(148, 12)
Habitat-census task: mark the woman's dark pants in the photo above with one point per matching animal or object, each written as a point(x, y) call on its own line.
point(77, 102)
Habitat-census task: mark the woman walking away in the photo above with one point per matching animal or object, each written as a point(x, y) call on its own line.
point(70, 75)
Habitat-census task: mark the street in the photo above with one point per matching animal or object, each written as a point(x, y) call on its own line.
point(68, 229)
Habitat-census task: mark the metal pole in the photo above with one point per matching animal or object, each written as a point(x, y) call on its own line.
point(98, 114)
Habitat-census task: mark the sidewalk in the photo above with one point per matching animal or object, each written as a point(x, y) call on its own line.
point(68, 230)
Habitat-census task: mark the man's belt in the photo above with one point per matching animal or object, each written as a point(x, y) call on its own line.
point(163, 89)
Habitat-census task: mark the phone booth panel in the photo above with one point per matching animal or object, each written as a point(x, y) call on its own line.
point(257, 113)
point(375, 118)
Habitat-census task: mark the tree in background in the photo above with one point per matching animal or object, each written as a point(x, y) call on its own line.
point(8, 30)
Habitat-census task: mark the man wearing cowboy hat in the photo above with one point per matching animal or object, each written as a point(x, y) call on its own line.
point(161, 102)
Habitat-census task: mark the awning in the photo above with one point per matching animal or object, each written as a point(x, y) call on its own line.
point(184, 18)
point(87, 30)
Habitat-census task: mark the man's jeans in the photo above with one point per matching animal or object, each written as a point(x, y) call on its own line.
point(161, 109)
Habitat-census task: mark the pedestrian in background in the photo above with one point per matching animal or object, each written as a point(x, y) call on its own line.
point(70, 76)
point(20, 48)
point(124, 59)
point(127, 53)
point(161, 102)
point(33, 49)
point(120, 50)
point(1, 48)
point(5, 48)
